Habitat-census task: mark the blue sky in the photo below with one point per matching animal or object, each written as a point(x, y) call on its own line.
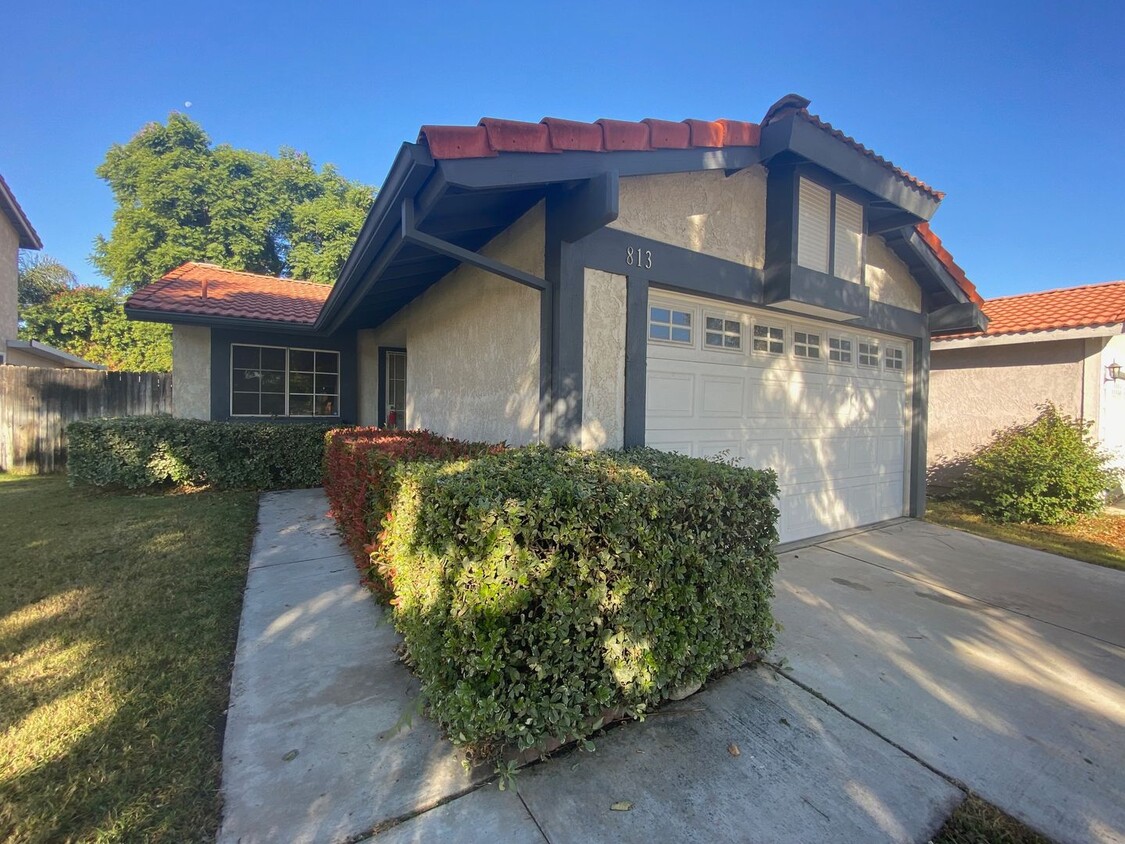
point(1016, 111)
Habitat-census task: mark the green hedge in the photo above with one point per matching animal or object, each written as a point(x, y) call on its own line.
point(535, 588)
point(140, 451)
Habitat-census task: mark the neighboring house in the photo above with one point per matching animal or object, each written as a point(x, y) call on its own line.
point(16, 233)
point(764, 291)
point(1058, 345)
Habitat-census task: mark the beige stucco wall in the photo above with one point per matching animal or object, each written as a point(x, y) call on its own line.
point(888, 279)
point(472, 347)
point(191, 371)
point(367, 377)
point(19, 357)
point(9, 276)
point(708, 212)
point(976, 391)
point(603, 361)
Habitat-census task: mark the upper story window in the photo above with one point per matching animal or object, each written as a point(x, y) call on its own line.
point(830, 232)
point(669, 324)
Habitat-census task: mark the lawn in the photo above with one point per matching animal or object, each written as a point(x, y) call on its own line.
point(118, 620)
point(1096, 539)
point(978, 822)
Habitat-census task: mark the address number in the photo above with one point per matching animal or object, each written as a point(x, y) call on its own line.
point(639, 258)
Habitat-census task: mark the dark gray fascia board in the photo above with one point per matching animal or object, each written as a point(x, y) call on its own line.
point(797, 135)
point(918, 248)
point(962, 316)
point(525, 169)
point(412, 167)
point(142, 315)
point(800, 285)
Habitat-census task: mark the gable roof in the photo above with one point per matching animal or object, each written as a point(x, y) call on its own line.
point(205, 290)
point(1088, 306)
point(29, 239)
point(930, 238)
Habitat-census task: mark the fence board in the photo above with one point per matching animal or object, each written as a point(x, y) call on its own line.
point(37, 404)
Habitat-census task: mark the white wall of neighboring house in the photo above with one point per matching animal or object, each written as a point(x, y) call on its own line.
point(1111, 416)
point(9, 277)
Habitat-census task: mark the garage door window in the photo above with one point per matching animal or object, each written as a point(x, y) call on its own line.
point(769, 339)
point(806, 345)
point(894, 359)
point(722, 333)
point(869, 355)
point(840, 350)
point(669, 324)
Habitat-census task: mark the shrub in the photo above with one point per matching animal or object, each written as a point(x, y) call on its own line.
point(356, 463)
point(140, 451)
point(1048, 471)
point(535, 589)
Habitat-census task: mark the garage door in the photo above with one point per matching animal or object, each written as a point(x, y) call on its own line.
point(824, 406)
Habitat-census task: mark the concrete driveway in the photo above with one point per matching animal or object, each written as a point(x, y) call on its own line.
point(1000, 667)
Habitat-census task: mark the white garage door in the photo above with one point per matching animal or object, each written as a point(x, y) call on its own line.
point(824, 406)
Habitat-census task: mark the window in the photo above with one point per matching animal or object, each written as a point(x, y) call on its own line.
point(869, 355)
point(722, 333)
point(276, 381)
point(669, 324)
point(769, 339)
point(806, 345)
point(839, 350)
point(894, 359)
point(829, 232)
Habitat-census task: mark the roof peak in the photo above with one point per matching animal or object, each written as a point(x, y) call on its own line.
point(184, 267)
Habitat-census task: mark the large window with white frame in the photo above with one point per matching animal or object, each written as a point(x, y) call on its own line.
point(282, 381)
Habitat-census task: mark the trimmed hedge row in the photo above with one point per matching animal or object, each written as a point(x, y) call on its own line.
point(141, 451)
point(535, 589)
point(356, 464)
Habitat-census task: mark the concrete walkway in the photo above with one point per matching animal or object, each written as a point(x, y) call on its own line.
point(312, 752)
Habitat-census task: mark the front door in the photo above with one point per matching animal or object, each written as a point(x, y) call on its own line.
point(394, 390)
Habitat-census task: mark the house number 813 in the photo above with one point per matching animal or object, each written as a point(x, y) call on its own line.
point(639, 258)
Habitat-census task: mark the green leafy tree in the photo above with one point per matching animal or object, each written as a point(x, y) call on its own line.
point(41, 277)
point(181, 198)
point(91, 323)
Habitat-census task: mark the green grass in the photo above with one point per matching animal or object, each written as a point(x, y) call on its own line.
point(978, 822)
point(118, 619)
point(1096, 539)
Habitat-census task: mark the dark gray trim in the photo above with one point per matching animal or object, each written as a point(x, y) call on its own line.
point(410, 234)
point(381, 410)
point(512, 169)
point(802, 286)
point(919, 432)
point(344, 343)
point(636, 360)
point(795, 135)
point(589, 207)
point(890, 222)
point(962, 316)
point(918, 249)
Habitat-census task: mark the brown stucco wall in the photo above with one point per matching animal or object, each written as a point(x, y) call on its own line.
point(9, 274)
point(977, 391)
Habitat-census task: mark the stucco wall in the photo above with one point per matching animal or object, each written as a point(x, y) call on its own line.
point(191, 371)
point(888, 279)
point(367, 364)
point(976, 391)
point(472, 346)
point(707, 212)
point(603, 361)
point(9, 275)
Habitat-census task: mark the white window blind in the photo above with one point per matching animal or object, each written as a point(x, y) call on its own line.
point(848, 256)
point(814, 215)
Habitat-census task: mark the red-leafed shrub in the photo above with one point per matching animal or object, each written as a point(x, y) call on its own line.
point(356, 461)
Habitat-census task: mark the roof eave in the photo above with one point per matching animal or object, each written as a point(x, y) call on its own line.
point(172, 318)
point(28, 237)
point(1046, 335)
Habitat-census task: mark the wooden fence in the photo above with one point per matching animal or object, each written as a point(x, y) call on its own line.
point(36, 405)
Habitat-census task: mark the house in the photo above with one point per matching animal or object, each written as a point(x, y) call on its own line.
point(764, 291)
point(1064, 346)
point(16, 233)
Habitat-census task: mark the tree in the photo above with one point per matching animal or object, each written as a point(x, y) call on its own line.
point(41, 277)
point(91, 323)
point(181, 198)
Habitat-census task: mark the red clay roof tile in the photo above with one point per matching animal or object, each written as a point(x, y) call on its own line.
point(573, 135)
point(1088, 306)
point(624, 134)
point(207, 290)
point(951, 266)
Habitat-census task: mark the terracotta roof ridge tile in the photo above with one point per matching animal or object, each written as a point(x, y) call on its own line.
point(187, 265)
point(1056, 290)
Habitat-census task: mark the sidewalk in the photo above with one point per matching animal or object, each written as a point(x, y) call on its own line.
point(311, 751)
